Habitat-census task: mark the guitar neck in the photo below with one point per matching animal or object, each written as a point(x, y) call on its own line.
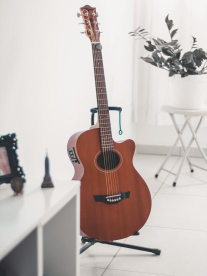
point(102, 102)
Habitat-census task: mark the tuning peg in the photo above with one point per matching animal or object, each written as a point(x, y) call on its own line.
point(97, 31)
point(78, 14)
point(95, 14)
point(82, 32)
point(80, 23)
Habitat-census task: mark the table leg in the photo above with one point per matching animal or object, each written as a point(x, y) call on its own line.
point(187, 149)
point(170, 151)
point(196, 140)
point(181, 139)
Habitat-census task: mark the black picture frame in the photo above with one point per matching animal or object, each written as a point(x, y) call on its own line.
point(9, 143)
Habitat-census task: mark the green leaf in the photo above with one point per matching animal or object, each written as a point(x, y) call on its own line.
point(164, 61)
point(200, 54)
point(167, 51)
point(173, 42)
point(137, 29)
point(173, 33)
point(194, 42)
point(188, 58)
point(150, 46)
point(156, 57)
point(149, 60)
point(171, 73)
point(161, 41)
point(178, 54)
point(169, 22)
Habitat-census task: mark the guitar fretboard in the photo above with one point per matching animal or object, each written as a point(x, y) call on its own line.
point(102, 102)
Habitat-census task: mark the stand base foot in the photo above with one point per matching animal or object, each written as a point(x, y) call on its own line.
point(192, 171)
point(156, 176)
point(174, 184)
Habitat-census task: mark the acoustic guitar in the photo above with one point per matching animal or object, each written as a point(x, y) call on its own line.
point(115, 200)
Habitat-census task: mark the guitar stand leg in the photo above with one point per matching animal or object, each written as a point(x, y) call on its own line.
point(93, 241)
point(89, 244)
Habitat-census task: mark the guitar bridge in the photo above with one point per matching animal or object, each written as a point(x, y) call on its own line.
point(111, 199)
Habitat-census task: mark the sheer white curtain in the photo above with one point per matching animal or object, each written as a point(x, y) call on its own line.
point(150, 84)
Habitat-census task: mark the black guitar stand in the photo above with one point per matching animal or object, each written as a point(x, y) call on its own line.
point(94, 110)
point(91, 241)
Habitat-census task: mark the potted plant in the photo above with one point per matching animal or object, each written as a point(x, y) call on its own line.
point(188, 80)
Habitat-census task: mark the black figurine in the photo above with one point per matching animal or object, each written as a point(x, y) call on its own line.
point(47, 182)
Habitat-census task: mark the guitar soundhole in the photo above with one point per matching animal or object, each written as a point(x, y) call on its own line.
point(108, 160)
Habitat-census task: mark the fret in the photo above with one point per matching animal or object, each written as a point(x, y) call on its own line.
point(106, 133)
point(102, 102)
point(102, 129)
point(107, 145)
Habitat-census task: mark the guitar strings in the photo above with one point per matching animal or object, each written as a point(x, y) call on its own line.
point(108, 153)
point(100, 98)
point(95, 60)
point(107, 148)
point(111, 158)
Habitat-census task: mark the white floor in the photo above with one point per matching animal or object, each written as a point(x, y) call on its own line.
point(177, 225)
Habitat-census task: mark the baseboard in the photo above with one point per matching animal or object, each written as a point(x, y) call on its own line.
point(163, 150)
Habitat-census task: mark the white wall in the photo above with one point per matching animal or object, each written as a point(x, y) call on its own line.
point(46, 76)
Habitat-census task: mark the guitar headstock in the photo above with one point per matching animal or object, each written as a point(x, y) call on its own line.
point(89, 16)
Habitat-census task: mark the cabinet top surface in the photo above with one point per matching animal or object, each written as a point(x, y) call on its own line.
point(19, 215)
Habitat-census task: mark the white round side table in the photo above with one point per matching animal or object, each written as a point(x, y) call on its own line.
point(188, 114)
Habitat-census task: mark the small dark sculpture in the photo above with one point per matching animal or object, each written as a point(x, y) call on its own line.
point(17, 185)
point(47, 182)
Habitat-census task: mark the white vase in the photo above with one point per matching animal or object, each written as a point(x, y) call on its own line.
point(188, 92)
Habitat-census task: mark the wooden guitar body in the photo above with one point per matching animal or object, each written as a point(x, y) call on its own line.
point(115, 202)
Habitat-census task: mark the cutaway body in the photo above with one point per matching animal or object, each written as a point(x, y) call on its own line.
point(115, 200)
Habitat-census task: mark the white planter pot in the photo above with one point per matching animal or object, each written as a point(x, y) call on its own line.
point(188, 92)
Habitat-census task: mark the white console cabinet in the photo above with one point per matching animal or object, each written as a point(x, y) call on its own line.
point(39, 230)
